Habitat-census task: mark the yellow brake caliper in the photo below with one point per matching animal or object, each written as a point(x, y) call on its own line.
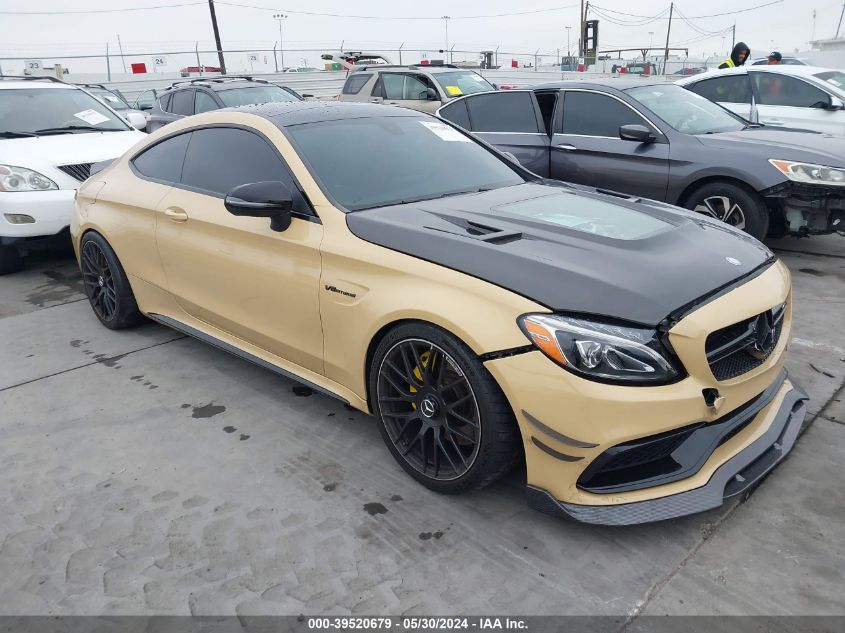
point(418, 373)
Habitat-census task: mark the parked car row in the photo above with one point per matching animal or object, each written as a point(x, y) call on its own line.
point(631, 351)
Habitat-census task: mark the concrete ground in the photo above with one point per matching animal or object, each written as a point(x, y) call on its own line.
point(142, 472)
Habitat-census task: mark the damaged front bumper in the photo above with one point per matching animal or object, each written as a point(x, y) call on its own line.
point(735, 476)
point(808, 209)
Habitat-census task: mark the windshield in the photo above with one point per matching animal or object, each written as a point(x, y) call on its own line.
point(462, 82)
point(379, 161)
point(34, 109)
point(254, 94)
point(833, 77)
point(110, 99)
point(686, 111)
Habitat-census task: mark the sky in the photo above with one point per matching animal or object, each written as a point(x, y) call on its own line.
point(787, 25)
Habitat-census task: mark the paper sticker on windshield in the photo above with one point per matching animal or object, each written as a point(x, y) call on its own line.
point(454, 91)
point(445, 132)
point(91, 117)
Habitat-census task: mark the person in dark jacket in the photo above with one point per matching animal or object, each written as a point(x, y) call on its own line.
point(738, 56)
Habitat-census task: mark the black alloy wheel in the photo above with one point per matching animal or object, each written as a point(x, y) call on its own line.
point(106, 284)
point(98, 280)
point(429, 409)
point(441, 413)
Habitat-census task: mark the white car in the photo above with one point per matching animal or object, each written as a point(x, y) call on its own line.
point(50, 135)
point(806, 97)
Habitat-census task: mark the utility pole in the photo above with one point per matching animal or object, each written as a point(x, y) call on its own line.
point(813, 37)
point(446, 18)
point(668, 30)
point(108, 62)
point(220, 59)
point(581, 32)
point(733, 36)
point(840, 21)
point(121, 53)
point(281, 17)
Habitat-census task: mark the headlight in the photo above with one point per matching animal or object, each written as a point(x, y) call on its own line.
point(600, 351)
point(20, 179)
point(807, 172)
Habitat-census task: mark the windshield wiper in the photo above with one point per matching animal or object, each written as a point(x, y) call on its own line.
point(12, 134)
point(74, 128)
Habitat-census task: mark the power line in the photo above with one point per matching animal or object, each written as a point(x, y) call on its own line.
point(308, 13)
point(162, 6)
point(695, 17)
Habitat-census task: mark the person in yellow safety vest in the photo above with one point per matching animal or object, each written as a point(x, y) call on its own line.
point(738, 56)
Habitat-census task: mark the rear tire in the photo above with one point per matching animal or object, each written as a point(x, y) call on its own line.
point(440, 412)
point(106, 284)
point(10, 260)
point(732, 204)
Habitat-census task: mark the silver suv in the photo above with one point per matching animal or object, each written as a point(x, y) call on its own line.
point(185, 98)
point(417, 87)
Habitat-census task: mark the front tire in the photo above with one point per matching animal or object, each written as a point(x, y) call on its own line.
point(440, 412)
point(106, 284)
point(733, 205)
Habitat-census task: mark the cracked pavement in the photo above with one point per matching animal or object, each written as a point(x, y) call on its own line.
point(142, 472)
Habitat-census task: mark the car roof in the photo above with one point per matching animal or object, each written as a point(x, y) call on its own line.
point(287, 113)
point(35, 82)
point(620, 83)
point(219, 83)
point(780, 69)
point(410, 67)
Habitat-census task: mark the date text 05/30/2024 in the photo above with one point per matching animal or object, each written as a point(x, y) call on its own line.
point(417, 623)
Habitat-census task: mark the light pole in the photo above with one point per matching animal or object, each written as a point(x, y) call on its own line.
point(445, 19)
point(568, 50)
point(281, 17)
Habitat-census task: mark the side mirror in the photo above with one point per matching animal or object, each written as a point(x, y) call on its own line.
point(639, 133)
point(431, 94)
point(136, 120)
point(836, 104)
point(271, 199)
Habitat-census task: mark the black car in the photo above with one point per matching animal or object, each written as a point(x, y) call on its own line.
point(204, 94)
point(659, 141)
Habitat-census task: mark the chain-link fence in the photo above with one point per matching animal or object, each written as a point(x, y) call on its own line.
point(116, 65)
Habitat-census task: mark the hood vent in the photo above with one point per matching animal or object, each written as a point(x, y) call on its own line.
point(478, 231)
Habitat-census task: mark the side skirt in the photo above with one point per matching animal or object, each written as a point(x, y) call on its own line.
point(227, 347)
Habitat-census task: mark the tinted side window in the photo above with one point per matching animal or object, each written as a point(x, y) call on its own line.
point(219, 159)
point(731, 89)
point(145, 100)
point(782, 90)
point(355, 82)
point(592, 114)
point(163, 161)
point(165, 102)
point(182, 102)
point(502, 112)
point(204, 102)
point(416, 88)
point(393, 86)
point(457, 113)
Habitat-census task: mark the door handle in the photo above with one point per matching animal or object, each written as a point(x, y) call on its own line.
point(566, 146)
point(175, 214)
point(375, 100)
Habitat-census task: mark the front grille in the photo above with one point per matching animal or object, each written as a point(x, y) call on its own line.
point(80, 172)
point(742, 347)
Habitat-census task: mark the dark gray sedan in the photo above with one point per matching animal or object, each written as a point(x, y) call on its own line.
point(659, 141)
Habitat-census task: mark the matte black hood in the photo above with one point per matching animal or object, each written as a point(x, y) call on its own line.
point(490, 236)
